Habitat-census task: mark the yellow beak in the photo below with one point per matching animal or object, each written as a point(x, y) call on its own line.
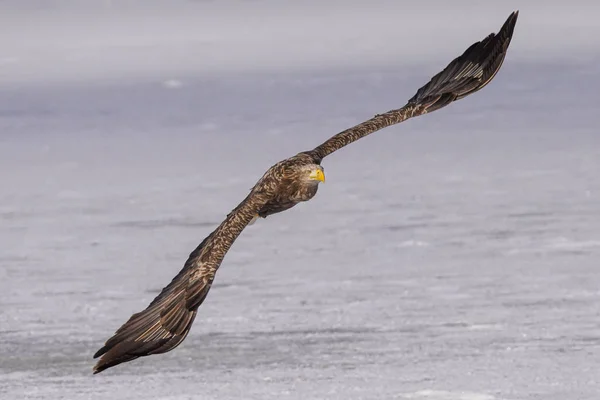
point(317, 175)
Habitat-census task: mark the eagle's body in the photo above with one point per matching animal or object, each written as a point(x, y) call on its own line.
point(292, 188)
point(165, 323)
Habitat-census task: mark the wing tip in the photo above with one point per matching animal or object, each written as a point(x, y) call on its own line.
point(100, 352)
point(509, 26)
point(101, 365)
point(458, 79)
point(106, 360)
point(106, 363)
point(97, 369)
point(126, 345)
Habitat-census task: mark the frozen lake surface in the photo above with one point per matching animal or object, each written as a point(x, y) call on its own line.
point(451, 257)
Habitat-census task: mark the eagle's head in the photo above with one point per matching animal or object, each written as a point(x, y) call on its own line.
point(313, 173)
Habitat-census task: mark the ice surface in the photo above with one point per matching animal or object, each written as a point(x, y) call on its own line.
point(454, 256)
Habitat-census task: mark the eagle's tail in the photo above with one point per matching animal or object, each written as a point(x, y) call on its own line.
point(468, 73)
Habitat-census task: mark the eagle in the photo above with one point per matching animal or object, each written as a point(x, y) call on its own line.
point(167, 320)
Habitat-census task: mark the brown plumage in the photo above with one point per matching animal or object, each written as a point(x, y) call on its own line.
point(165, 323)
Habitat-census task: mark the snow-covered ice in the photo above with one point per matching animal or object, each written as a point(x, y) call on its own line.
point(454, 256)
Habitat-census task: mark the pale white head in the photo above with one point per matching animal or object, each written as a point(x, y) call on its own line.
point(314, 172)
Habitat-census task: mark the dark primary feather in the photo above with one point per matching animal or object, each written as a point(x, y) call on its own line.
point(466, 74)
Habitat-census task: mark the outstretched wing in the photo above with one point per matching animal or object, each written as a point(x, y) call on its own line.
point(470, 72)
point(466, 74)
point(165, 323)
